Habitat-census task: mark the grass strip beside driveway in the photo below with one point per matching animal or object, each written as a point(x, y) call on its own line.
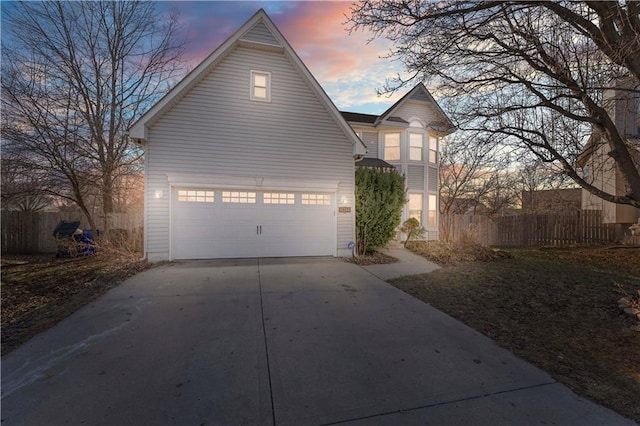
point(38, 291)
point(556, 308)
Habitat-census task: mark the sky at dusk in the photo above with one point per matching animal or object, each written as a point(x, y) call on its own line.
point(347, 67)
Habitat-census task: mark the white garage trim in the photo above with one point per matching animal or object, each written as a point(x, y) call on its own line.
point(256, 183)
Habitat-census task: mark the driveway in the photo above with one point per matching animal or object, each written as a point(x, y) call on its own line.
point(285, 341)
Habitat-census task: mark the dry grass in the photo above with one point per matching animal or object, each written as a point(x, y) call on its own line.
point(377, 258)
point(555, 307)
point(448, 253)
point(39, 291)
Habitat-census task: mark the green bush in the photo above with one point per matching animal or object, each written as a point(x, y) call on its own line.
point(380, 197)
point(411, 227)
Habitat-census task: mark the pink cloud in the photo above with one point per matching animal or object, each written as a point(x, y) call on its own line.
point(318, 33)
point(348, 67)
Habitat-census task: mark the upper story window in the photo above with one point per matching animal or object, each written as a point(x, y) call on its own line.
point(433, 150)
point(416, 143)
point(260, 86)
point(391, 146)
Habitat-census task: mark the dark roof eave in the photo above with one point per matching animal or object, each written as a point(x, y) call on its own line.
point(356, 117)
point(374, 163)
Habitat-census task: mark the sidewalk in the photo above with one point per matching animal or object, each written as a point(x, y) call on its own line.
point(408, 264)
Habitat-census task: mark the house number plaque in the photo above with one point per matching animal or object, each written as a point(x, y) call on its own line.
point(344, 209)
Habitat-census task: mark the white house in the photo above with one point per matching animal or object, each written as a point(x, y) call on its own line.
point(248, 157)
point(407, 136)
point(622, 101)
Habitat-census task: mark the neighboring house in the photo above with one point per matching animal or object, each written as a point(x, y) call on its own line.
point(407, 136)
point(552, 200)
point(599, 168)
point(248, 157)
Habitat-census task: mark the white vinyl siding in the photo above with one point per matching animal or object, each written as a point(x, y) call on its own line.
point(370, 139)
point(433, 179)
point(420, 96)
point(415, 176)
point(260, 34)
point(215, 130)
point(425, 113)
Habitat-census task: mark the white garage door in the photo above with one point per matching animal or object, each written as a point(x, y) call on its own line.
point(212, 223)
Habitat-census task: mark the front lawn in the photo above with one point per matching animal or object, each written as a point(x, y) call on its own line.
point(554, 307)
point(39, 291)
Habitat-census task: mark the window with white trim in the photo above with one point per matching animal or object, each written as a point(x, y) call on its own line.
point(433, 206)
point(433, 150)
point(260, 86)
point(416, 143)
point(391, 146)
point(278, 198)
point(238, 197)
point(316, 199)
point(195, 196)
point(415, 206)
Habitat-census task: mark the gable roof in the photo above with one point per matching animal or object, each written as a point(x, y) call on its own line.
point(418, 93)
point(258, 32)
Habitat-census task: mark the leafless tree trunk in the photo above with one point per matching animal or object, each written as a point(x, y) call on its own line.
point(530, 72)
point(75, 75)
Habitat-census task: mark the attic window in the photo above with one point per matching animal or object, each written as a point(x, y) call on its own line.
point(260, 86)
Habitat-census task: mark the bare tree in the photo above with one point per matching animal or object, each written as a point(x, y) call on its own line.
point(75, 75)
point(23, 186)
point(531, 72)
point(466, 166)
point(541, 188)
point(474, 178)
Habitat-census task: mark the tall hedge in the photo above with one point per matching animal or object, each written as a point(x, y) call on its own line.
point(380, 197)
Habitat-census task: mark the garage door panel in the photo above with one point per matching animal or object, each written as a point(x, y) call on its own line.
point(232, 229)
point(192, 224)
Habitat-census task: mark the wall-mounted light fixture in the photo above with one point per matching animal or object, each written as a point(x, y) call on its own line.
point(159, 193)
point(343, 200)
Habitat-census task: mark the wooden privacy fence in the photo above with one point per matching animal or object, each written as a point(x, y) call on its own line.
point(579, 227)
point(31, 232)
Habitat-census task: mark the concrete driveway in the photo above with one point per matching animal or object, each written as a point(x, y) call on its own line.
point(284, 341)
